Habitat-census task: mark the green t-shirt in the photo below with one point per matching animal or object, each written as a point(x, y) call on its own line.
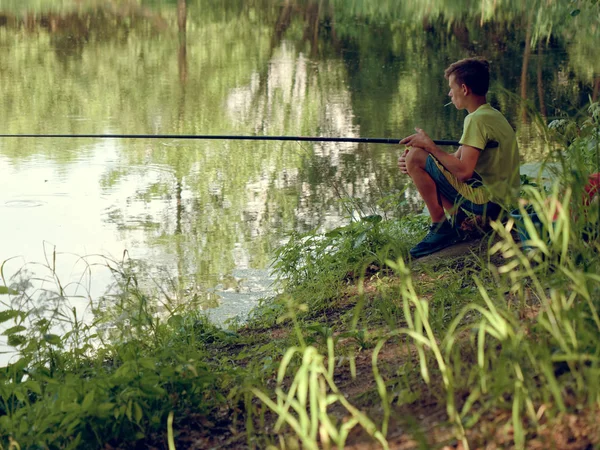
point(499, 166)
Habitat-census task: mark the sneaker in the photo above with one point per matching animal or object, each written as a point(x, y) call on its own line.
point(440, 236)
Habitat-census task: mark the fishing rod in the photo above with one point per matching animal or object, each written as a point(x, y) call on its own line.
point(221, 137)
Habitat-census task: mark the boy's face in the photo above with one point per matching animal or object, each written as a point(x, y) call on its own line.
point(457, 92)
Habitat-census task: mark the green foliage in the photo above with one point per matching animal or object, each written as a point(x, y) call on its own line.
point(518, 365)
point(313, 391)
point(86, 387)
point(347, 251)
point(4, 290)
point(581, 136)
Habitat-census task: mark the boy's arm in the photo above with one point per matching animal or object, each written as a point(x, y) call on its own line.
point(461, 164)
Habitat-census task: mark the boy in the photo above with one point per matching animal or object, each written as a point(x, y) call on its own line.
point(477, 178)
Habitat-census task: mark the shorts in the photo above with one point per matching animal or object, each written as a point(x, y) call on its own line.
point(471, 195)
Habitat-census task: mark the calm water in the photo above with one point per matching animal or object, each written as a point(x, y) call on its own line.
point(200, 218)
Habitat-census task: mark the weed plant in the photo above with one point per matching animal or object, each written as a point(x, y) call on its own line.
point(110, 381)
point(345, 253)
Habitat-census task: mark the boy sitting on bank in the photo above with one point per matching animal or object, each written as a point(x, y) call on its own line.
point(477, 178)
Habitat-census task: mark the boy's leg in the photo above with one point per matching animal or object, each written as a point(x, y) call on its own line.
point(441, 190)
point(441, 234)
point(469, 196)
point(416, 161)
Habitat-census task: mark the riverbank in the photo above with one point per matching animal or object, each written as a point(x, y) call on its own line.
point(504, 385)
point(493, 347)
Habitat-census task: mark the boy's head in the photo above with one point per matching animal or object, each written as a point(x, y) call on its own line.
point(472, 72)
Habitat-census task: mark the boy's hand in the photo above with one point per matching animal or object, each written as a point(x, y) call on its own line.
point(419, 139)
point(402, 162)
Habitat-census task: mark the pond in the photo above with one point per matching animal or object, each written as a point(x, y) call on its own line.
point(200, 219)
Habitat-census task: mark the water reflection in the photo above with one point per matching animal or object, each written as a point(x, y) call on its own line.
point(208, 214)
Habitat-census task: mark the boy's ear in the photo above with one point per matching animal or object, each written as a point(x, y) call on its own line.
point(465, 89)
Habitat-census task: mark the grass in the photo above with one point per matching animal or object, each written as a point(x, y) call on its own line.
point(361, 348)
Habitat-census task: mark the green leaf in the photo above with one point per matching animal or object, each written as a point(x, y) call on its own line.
point(6, 423)
point(33, 386)
point(104, 409)
point(575, 12)
point(19, 395)
point(74, 444)
point(150, 387)
point(20, 365)
point(23, 427)
point(73, 424)
point(147, 363)
point(4, 291)
point(9, 314)
point(137, 412)
point(14, 330)
point(119, 412)
point(14, 340)
point(52, 339)
point(373, 218)
point(362, 237)
point(125, 371)
point(129, 410)
point(88, 401)
point(334, 233)
point(175, 321)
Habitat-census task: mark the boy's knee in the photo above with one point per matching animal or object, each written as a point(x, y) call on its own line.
point(416, 159)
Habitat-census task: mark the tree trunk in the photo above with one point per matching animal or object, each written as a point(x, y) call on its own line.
point(282, 24)
point(182, 62)
point(311, 30)
point(540, 85)
point(334, 37)
point(525, 67)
